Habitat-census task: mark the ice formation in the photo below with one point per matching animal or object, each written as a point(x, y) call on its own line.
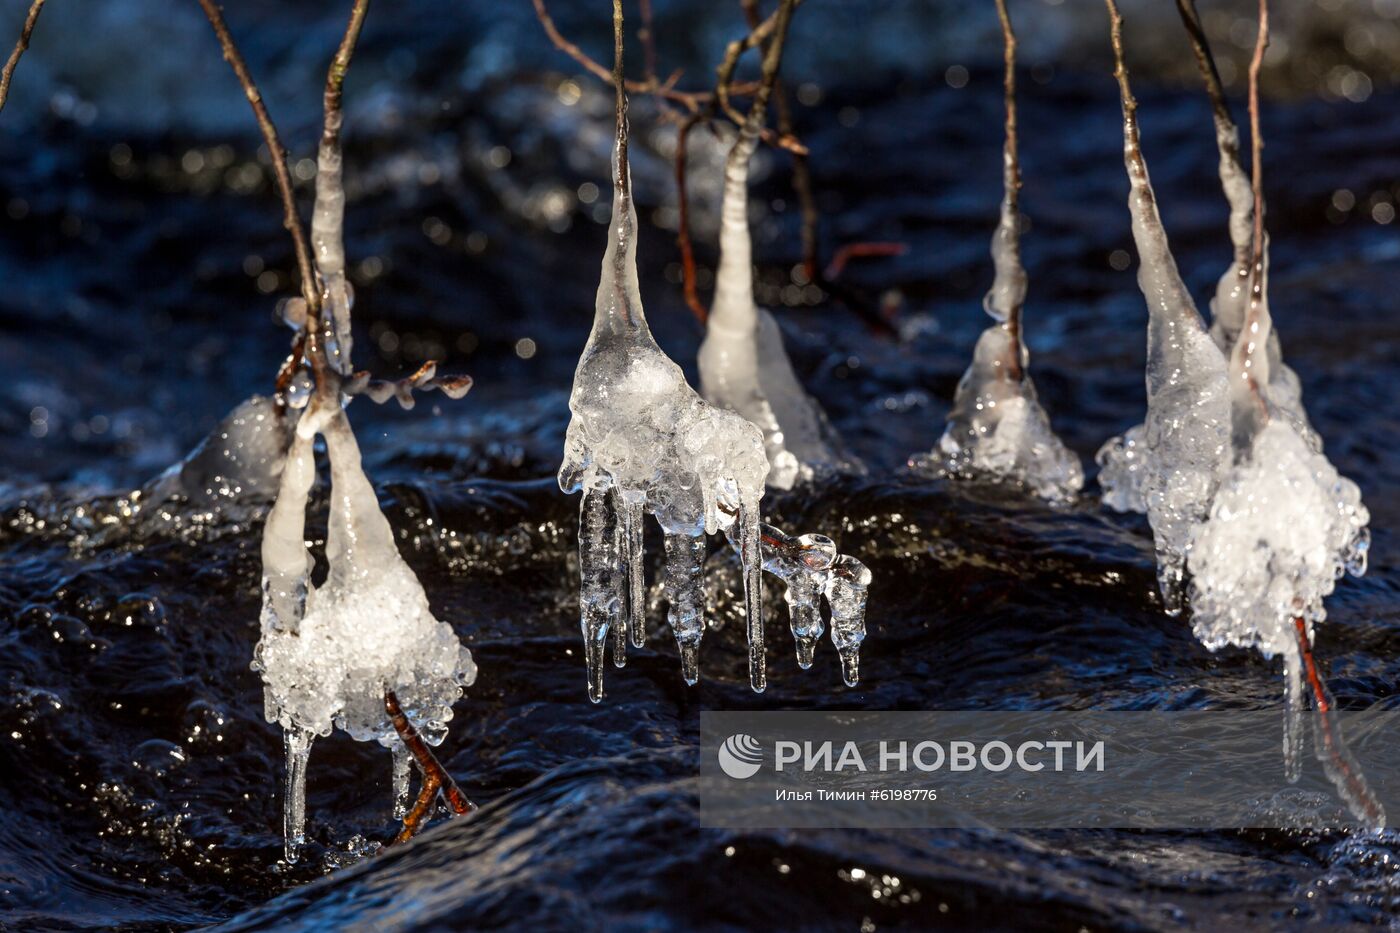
point(238, 464)
point(997, 428)
point(641, 441)
point(744, 366)
point(1123, 459)
point(1233, 479)
point(1170, 465)
point(330, 653)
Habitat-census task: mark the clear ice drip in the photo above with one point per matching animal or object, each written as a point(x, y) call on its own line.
point(1170, 466)
point(744, 366)
point(812, 569)
point(641, 441)
point(997, 428)
point(239, 464)
point(328, 653)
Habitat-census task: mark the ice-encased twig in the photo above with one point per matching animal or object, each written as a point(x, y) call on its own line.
point(642, 441)
point(328, 654)
point(997, 429)
point(1187, 431)
point(743, 363)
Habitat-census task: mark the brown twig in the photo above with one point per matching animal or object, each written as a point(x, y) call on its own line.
point(664, 90)
point(9, 70)
point(290, 219)
point(762, 35)
point(1226, 132)
point(436, 781)
point(646, 34)
point(1120, 72)
point(1215, 88)
point(1012, 170)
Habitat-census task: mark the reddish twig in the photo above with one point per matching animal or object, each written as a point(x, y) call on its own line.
point(868, 250)
point(436, 781)
point(25, 32)
point(692, 294)
point(1343, 766)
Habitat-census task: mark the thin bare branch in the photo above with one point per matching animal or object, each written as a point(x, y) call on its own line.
point(1011, 168)
point(1204, 59)
point(664, 90)
point(647, 36)
point(9, 70)
point(725, 89)
point(1120, 72)
point(290, 219)
point(436, 781)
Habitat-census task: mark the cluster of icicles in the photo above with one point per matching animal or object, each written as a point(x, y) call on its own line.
point(641, 441)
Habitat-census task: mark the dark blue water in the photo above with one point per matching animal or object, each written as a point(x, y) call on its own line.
point(139, 782)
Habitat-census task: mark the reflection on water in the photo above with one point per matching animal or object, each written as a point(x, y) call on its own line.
point(142, 268)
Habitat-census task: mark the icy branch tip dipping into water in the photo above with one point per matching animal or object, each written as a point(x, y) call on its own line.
point(642, 441)
point(997, 429)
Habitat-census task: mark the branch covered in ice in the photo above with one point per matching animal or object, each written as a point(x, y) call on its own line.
point(743, 364)
point(329, 652)
point(1235, 484)
point(642, 441)
point(997, 428)
point(1170, 467)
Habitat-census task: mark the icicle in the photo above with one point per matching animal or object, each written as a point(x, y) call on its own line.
point(847, 589)
point(298, 747)
point(1292, 716)
point(805, 615)
point(684, 587)
point(599, 601)
point(750, 559)
point(633, 513)
point(403, 772)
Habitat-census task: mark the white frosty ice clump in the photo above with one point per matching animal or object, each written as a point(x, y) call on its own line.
point(1283, 528)
point(642, 441)
point(744, 366)
point(997, 428)
point(330, 652)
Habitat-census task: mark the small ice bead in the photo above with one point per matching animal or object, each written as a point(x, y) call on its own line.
point(847, 590)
